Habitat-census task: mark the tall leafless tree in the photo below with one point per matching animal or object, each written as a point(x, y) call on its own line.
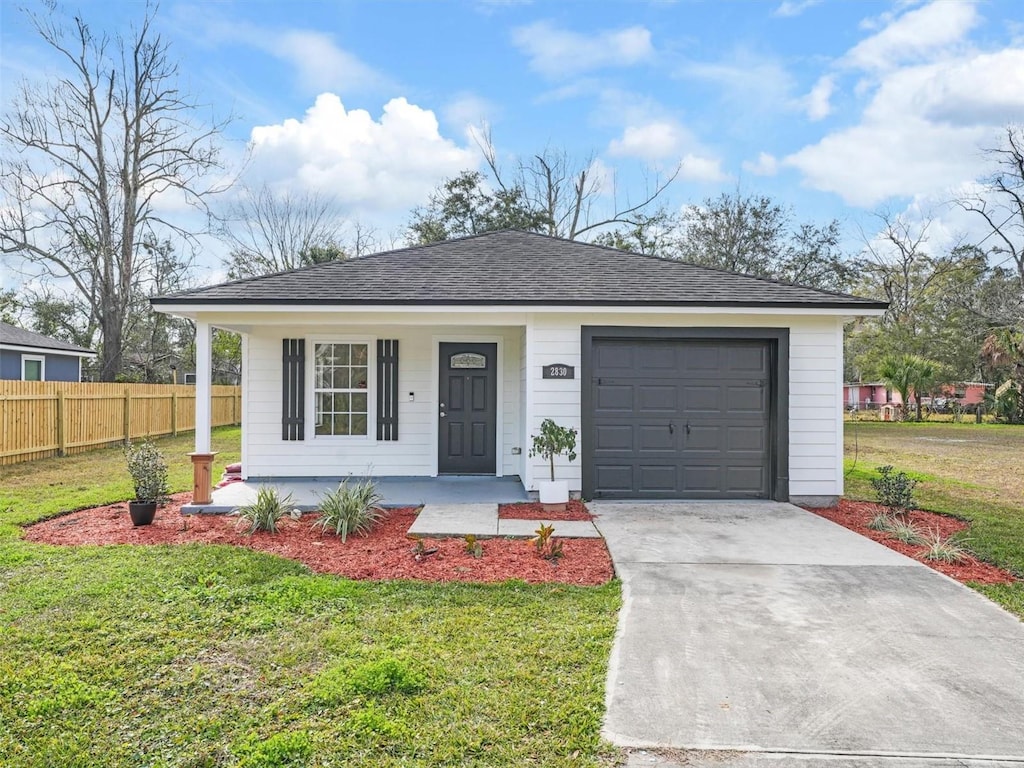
point(272, 232)
point(1001, 204)
point(91, 161)
point(571, 194)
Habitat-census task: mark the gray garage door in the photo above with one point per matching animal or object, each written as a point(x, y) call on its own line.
point(680, 419)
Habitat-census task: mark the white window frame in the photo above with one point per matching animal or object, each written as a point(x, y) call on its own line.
point(41, 359)
point(371, 389)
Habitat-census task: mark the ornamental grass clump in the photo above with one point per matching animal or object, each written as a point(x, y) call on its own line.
point(265, 512)
point(350, 509)
point(148, 468)
point(943, 550)
point(906, 532)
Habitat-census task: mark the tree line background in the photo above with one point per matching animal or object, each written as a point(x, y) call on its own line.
point(89, 157)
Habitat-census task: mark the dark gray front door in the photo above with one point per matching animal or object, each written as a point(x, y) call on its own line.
point(680, 419)
point(467, 409)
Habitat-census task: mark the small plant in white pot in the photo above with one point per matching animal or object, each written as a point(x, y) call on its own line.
point(552, 441)
point(148, 469)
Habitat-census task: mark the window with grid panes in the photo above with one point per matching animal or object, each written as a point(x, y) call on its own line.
point(340, 383)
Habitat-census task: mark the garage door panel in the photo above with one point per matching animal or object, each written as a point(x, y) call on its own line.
point(657, 398)
point(746, 439)
point(750, 398)
point(704, 479)
point(746, 479)
point(614, 437)
point(703, 437)
point(743, 359)
point(614, 398)
point(656, 437)
point(613, 357)
point(705, 398)
point(680, 419)
point(658, 478)
point(614, 478)
point(655, 358)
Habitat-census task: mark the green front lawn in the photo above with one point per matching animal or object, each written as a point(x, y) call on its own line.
point(975, 472)
point(217, 656)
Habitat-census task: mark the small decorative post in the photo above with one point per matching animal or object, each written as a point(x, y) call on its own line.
point(202, 483)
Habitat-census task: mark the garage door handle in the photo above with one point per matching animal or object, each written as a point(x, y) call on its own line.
point(687, 427)
point(671, 428)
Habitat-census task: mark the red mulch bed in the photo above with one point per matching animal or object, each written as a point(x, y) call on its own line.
point(385, 554)
point(534, 510)
point(856, 515)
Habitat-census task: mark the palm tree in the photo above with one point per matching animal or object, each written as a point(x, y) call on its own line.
point(906, 374)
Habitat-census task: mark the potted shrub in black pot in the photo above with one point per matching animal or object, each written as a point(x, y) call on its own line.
point(148, 469)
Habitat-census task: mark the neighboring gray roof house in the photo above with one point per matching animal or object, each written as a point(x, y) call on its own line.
point(683, 382)
point(513, 267)
point(30, 356)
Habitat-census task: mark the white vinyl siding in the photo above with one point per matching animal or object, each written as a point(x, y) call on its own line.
point(815, 347)
point(415, 451)
point(528, 342)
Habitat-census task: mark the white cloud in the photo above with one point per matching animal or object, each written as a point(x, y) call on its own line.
point(667, 139)
point(788, 8)
point(321, 65)
point(702, 168)
point(558, 53)
point(818, 101)
point(746, 80)
point(372, 167)
point(765, 165)
point(468, 110)
point(922, 130)
point(653, 141)
point(914, 36)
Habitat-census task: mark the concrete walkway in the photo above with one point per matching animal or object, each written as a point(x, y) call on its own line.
point(444, 520)
point(762, 628)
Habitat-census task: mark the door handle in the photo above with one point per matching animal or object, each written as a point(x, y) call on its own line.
point(442, 414)
point(687, 427)
point(671, 428)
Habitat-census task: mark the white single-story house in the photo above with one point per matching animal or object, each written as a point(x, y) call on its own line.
point(30, 356)
point(684, 382)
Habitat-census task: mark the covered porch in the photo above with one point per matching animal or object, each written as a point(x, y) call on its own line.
point(397, 491)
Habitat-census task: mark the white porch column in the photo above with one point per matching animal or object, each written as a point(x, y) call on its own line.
point(204, 388)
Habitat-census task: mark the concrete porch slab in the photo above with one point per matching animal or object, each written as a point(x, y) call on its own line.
point(397, 491)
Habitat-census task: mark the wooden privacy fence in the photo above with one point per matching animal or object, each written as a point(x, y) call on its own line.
point(39, 419)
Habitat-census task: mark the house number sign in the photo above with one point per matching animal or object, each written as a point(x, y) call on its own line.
point(558, 371)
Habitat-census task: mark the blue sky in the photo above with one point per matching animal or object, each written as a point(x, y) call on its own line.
point(838, 108)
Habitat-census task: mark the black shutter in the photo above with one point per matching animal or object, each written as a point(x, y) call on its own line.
point(293, 406)
point(387, 389)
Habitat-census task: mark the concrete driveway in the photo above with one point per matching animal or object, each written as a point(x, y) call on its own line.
point(759, 626)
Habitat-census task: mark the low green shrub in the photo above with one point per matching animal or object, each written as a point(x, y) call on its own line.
point(350, 509)
point(895, 491)
point(265, 512)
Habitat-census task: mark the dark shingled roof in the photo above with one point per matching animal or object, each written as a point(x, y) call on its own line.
point(19, 337)
point(514, 268)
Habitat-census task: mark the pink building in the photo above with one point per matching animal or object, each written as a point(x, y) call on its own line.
point(873, 395)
